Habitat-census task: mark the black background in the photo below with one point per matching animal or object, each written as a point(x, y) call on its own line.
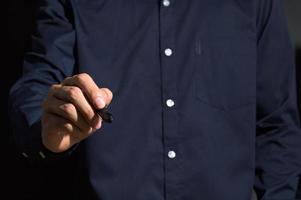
point(22, 180)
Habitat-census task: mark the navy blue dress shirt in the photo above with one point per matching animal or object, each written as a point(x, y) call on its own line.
point(204, 97)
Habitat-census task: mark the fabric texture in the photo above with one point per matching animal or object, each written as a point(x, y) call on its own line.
point(204, 97)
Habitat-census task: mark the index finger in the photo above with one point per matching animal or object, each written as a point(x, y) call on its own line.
point(89, 88)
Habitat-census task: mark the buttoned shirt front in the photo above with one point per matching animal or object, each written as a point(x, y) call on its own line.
point(204, 97)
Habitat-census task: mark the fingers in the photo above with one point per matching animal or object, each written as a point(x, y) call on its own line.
point(108, 95)
point(60, 134)
point(57, 125)
point(69, 112)
point(98, 97)
point(75, 96)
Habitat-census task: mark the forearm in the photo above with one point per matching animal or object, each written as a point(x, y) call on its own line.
point(278, 143)
point(49, 61)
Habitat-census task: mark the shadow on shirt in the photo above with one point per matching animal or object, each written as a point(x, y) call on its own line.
point(298, 73)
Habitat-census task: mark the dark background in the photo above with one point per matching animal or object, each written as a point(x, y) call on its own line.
point(22, 180)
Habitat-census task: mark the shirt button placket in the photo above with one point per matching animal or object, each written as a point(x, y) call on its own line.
point(168, 49)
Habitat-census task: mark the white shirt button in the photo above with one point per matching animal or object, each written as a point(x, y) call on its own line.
point(170, 103)
point(42, 155)
point(168, 52)
point(166, 3)
point(171, 154)
point(24, 155)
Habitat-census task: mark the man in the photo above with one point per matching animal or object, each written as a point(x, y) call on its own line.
point(204, 98)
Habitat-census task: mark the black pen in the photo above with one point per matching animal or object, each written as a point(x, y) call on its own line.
point(105, 114)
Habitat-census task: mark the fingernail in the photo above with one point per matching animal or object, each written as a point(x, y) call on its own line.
point(98, 124)
point(99, 102)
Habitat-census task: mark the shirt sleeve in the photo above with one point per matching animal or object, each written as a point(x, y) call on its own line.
point(49, 61)
point(278, 139)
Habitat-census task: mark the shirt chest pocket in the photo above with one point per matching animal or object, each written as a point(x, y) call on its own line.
point(225, 71)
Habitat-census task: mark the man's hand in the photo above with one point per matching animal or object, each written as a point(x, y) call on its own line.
point(68, 112)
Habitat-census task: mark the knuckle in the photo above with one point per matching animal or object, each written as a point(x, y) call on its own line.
point(82, 78)
point(68, 127)
point(66, 79)
point(54, 90)
point(53, 87)
point(68, 108)
point(74, 92)
point(88, 130)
